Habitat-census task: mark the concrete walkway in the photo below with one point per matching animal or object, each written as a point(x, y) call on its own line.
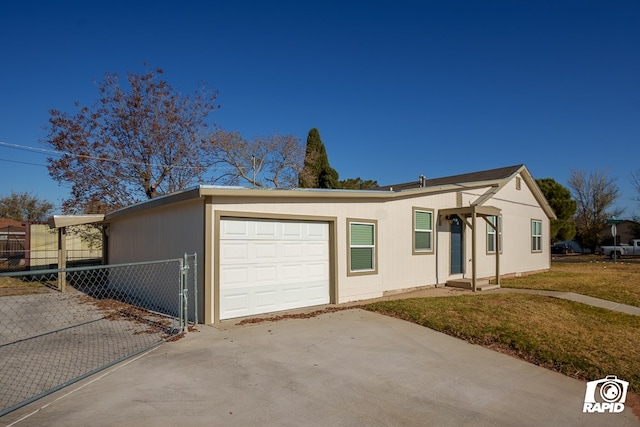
point(584, 299)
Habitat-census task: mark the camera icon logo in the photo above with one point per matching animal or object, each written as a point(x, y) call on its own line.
point(605, 395)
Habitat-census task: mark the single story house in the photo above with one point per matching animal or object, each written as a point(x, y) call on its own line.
point(265, 250)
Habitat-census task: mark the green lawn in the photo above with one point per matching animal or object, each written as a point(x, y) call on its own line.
point(577, 340)
point(614, 282)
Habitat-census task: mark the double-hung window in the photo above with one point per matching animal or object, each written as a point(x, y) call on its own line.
point(491, 234)
point(422, 231)
point(536, 235)
point(362, 247)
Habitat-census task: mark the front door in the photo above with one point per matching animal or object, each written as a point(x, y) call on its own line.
point(457, 246)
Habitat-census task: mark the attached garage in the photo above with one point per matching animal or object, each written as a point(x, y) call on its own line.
point(270, 265)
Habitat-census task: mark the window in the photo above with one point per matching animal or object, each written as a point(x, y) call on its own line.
point(491, 234)
point(536, 235)
point(362, 247)
point(422, 231)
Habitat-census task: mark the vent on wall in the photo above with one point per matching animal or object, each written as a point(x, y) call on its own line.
point(458, 199)
point(518, 183)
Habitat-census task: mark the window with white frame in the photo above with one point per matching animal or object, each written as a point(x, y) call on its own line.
point(422, 231)
point(491, 233)
point(536, 235)
point(362, 247)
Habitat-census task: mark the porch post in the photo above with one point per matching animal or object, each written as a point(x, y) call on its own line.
point(473, 249)
point(498, 248)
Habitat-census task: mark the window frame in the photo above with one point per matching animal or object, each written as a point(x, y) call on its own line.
point(536, 239)
point(374, 246)
point(491, 234)
point(415, 230)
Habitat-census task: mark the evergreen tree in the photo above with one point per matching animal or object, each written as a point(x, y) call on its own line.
point(317, 172)
point(559, 198)
point(357, 184)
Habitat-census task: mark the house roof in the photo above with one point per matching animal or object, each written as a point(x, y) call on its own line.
point(495, 178)
point(57, 221)
point(482, 176)
point(10, 222)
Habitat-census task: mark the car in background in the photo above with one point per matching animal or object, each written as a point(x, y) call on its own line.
point(569, 247)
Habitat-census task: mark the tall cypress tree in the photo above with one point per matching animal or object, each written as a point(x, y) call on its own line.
point(317, 172)
point(559, 198)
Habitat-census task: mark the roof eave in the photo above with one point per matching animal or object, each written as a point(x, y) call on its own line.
point(59, 221)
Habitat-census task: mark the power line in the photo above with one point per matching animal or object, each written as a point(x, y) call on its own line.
point(84, 156)
point(22, 163)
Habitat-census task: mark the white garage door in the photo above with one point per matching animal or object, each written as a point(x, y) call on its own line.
point(268, 265)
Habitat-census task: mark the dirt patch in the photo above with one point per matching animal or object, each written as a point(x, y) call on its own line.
point(305, 315)
point(24, 290)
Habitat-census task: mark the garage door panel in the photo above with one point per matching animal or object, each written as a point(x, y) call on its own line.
point(292, 229)
point(267, 299)
point(318, 231)
point(275, 265)
point(318, 271)
point(317, 294)
point(264, 229)
point(233, 277)
point(292, 296)
point(267, 274)
point(235, 229)
point(264, 252)
point(234, 303)
point(292, 272)
point(317, 250)
point(291, 250)
point(232, 251)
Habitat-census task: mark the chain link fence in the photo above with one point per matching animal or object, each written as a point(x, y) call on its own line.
point(60, 326)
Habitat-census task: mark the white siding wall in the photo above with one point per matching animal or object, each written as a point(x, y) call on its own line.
point(153, 235)
point(156, 234)
point(518, 207)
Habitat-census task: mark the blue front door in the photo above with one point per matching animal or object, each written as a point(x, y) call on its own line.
point(457, 246)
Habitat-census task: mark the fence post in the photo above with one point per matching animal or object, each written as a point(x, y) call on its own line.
point(184, 267)
point(195, 287)
point(62, 258)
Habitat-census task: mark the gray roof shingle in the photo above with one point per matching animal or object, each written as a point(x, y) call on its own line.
point(488, 175)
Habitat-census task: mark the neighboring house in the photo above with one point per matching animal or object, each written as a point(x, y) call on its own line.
point(27, 245)
point(265, 250)
point(625, 232)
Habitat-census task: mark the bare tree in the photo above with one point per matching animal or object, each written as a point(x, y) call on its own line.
point(635, 181)
point(25, 207)
point(267, 161)
point(595, 194)
point(135, 143)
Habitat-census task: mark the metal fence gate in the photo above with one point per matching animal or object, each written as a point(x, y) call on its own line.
point(60, 326)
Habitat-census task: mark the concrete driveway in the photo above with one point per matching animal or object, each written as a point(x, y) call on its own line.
point(346, 368)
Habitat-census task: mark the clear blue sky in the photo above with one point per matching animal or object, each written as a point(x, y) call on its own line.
point(396, 88)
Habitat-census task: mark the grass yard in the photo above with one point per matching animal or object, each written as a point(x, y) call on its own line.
point(577, 340)
point(618, 282)
point(16, 286)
